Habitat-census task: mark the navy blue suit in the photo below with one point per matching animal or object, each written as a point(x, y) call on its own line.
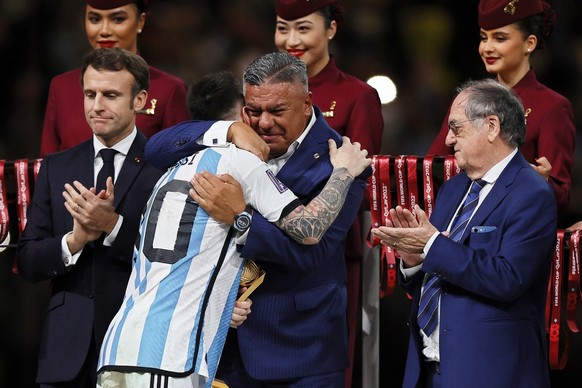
point(85, 297)
point(492, 331)
point(298, 326)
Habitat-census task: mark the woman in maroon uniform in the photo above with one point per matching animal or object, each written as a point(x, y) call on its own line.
point(304, 29)
point(510, 33)
point(110, 23)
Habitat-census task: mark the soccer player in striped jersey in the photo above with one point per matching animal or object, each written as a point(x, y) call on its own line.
point(172, 324)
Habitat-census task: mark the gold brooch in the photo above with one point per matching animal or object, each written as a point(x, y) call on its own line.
point(150, 111)
point(329, 113)
point(510, 7)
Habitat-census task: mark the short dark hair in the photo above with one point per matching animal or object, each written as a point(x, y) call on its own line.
point(214, 96)
point(117, 59)
point(489, 97)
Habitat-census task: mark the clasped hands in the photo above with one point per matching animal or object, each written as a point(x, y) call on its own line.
point(93, 213)
point(406, 232)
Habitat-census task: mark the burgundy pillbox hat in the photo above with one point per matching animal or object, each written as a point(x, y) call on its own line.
point(110, 4)
point(498, 13)
point(295, 9)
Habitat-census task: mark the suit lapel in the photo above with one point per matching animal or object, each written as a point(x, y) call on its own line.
point(134, 162)
point(85, 173)
point(447, 208)
point(78, 167)
point(313, 149)
point(497, 193)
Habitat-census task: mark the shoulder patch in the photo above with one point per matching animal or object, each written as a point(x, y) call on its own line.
point(278, 184)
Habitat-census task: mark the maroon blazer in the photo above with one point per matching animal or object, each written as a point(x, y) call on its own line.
point(350, 106)
point(353, 109)
point(65, 125)
point(550, 133)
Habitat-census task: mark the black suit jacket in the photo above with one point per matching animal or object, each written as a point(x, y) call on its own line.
point(85, 297)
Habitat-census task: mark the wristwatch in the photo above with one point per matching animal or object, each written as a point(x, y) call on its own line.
point(242, 221)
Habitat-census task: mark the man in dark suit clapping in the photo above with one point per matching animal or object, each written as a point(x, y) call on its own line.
point(80, 235)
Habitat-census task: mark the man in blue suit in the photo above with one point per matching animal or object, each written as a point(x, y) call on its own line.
point(484, 260)
point(84, 242)
point(297, 332)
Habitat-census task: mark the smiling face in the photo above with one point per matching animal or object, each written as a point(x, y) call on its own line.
point(109, 106)
point(505, 51)
point(278, 112)
point(306, 38)
point(117, 27)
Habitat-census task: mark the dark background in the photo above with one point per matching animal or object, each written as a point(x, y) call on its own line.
point(426, 47)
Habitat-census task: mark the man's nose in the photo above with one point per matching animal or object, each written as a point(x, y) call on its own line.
point(451, 139)
point(265, 120)
point(98, 103)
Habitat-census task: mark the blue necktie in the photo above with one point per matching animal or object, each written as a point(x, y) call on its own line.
point(429, 299)
point(108, 170)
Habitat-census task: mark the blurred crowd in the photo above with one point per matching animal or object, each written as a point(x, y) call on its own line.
point(427, 47)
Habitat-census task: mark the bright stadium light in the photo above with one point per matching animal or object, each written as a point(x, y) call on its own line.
point(385, 88)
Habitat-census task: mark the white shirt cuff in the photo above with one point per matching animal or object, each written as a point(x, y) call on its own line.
point(429, 244)
point(411, 271)
point(68, 258)
point(110, 238)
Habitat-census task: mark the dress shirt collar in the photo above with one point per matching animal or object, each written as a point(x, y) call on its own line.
point(494, 172)
point(122, 147)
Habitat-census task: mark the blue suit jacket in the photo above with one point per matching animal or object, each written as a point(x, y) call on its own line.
point(492, 331)
point(298, 326)
point(85, 297)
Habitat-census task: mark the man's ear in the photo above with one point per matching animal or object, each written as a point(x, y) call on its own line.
point(493, 127)
point(307, 104)
point(140, 100)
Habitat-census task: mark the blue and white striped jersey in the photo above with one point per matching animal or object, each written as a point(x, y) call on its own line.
point(186, 271)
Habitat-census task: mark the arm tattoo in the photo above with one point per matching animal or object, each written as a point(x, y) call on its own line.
point(307, 224)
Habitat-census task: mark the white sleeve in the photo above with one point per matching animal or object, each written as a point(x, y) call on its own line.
point(110, 238)
point(216, 134)
point(262, 190)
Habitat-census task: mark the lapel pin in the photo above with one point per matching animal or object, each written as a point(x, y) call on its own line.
point(316, 155)
point(137, 159)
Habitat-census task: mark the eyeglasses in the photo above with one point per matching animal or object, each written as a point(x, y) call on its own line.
point(456, 126)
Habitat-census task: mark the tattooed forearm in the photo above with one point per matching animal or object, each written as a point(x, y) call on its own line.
point(307, 224)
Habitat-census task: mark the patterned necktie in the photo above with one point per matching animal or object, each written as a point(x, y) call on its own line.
point(108, 170)
point(429, 299)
